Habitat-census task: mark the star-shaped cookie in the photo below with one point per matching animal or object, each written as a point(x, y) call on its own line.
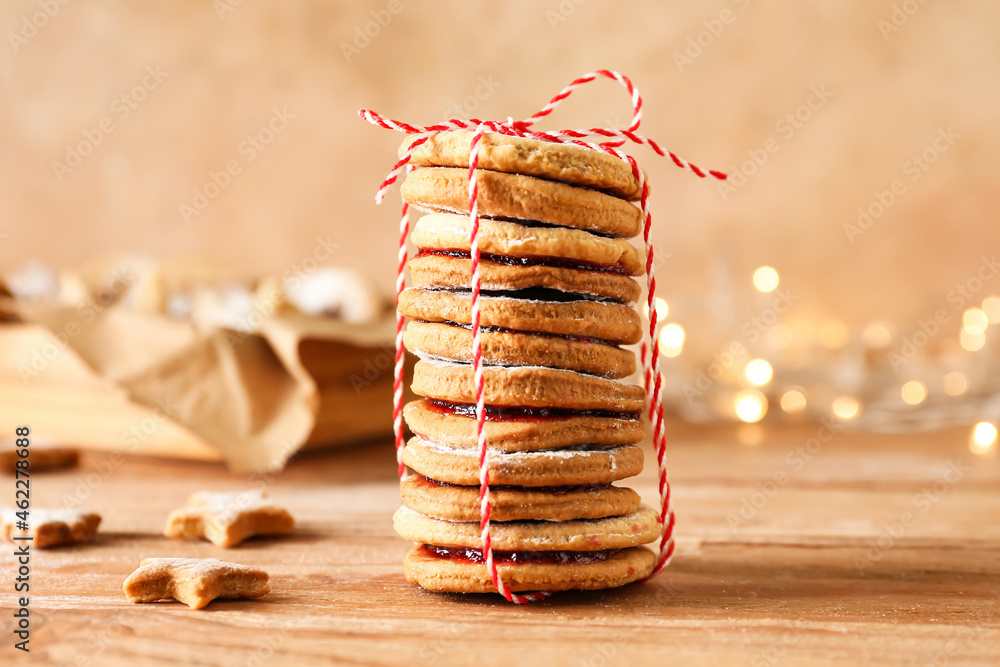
point(50, 528)
point(228, 518)
point(194, 581)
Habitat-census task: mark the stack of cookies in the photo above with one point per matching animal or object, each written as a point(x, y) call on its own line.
point(562, 424)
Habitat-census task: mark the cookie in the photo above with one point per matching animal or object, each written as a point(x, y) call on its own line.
point(526, 386)
point(227, 519)
point(457, 430)
point(50, 528)
point(569, 163)
point(464, 571)
point(519, 197)
point(446, 231)
point(511, 503)
point(446, 271)
point(194, 581)
point(574, 317)
point(615, 532)
point(512, 348)
point(559, 467)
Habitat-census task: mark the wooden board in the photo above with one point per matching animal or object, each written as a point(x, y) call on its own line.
point(815, 572)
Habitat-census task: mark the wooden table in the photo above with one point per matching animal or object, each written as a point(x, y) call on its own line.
point(818, 569)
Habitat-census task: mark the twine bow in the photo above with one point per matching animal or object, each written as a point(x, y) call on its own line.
point(609, 141)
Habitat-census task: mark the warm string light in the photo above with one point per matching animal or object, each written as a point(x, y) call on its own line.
point(671, 339)
point(955, 384)
point(765, 279)
point(846, 407)
point(913, 392)
point(750, 406)
point(793, 401)
point(983, 439)
point(758, 380)
point(758, 372)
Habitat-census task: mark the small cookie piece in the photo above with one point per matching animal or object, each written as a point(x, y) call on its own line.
point(464, 571)
point(521, 155)
point(446, 231)
point(614, 532)
point(527, 310)
point(457, 430)
point(50, 528)
point(41, 459)
point(519, 197)
point(227, 519)
point(513, 503)
point(526, 386)
point(514, 348)
point(194, 581)
point(560, 467)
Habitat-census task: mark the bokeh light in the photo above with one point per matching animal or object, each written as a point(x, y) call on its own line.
point(793, 401)
point(765, 279)
point(914, 392)
point(984, 437)
point(846, 407)
point(758, 372)
point(750, 406)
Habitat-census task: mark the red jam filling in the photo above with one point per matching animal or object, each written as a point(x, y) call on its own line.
point(556, 490)
point(475, 556)
point(554, 262)
point(509, 414)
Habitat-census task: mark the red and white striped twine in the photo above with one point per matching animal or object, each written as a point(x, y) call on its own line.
point(650, 351)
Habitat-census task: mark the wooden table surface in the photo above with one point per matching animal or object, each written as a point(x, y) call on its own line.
point(785, 556)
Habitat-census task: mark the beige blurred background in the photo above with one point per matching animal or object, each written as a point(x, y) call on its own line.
point(199, 78)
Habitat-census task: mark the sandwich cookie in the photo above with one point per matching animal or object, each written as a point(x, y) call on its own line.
point(445, 231)
point(452, 270)
point(616, 532)
point(437, 499)
point(568, 163)
point(501, 347)
point(516, 257)
point(551, 467)
point(526, 386)
point(519, 197)
point(524, 311)
point(448, 570)
point(454, 425)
